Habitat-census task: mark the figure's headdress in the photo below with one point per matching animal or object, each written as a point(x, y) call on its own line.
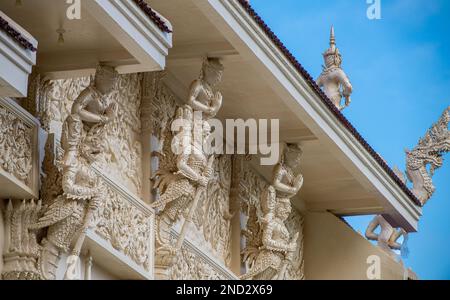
point(106, 71)
point(332, 54)
point(291, 148)
point(212, 63)
point(294, 148)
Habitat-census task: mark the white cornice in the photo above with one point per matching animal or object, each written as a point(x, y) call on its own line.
point(16, 62)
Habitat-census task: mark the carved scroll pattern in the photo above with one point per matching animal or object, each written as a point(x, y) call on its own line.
point(294, 224)
point(191, 266)
point(126, 227)
point(213, 214)
point(15, 146)
point(21, 247)
point(60, 96)
point(157, 114)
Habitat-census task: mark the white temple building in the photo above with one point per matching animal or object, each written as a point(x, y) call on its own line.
point(91, 186)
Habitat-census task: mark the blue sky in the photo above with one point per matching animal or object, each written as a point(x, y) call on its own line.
point(400, 70)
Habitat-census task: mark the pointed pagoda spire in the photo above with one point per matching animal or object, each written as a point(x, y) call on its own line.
point(332, 38)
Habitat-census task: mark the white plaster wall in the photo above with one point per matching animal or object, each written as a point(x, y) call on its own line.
point(333, 250)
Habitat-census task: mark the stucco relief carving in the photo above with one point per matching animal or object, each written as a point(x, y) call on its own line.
point(122, 148)
point(333, 79)
point(57, 99)
point(212, 218)
point(118, 220)
point(161, 109)
point(81, 198)
point(184, 176)
point(274, 251)
point(127, 228)
point(52, 170)
point(189, 265)
point(427, 157)
point(83, 142)
point(15, 146)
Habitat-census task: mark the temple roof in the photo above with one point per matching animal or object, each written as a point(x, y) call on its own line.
point(326, 100)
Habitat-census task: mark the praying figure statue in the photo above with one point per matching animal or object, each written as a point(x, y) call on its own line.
point(186, 167)
point(69, 215)
point(188, 172)
point(203, 96)
point(333, 79)
point(271, 252)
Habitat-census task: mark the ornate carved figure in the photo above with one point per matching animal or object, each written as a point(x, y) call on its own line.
point(428, 152)
point(68, 216)
point(70, 213)
point(183, 178)
point(333, 79)
point(121, 145)
point(83, 142)
point(214, 212)
point(388, 237)
point(270, 247)
point(190, 164)
point(83, 130)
